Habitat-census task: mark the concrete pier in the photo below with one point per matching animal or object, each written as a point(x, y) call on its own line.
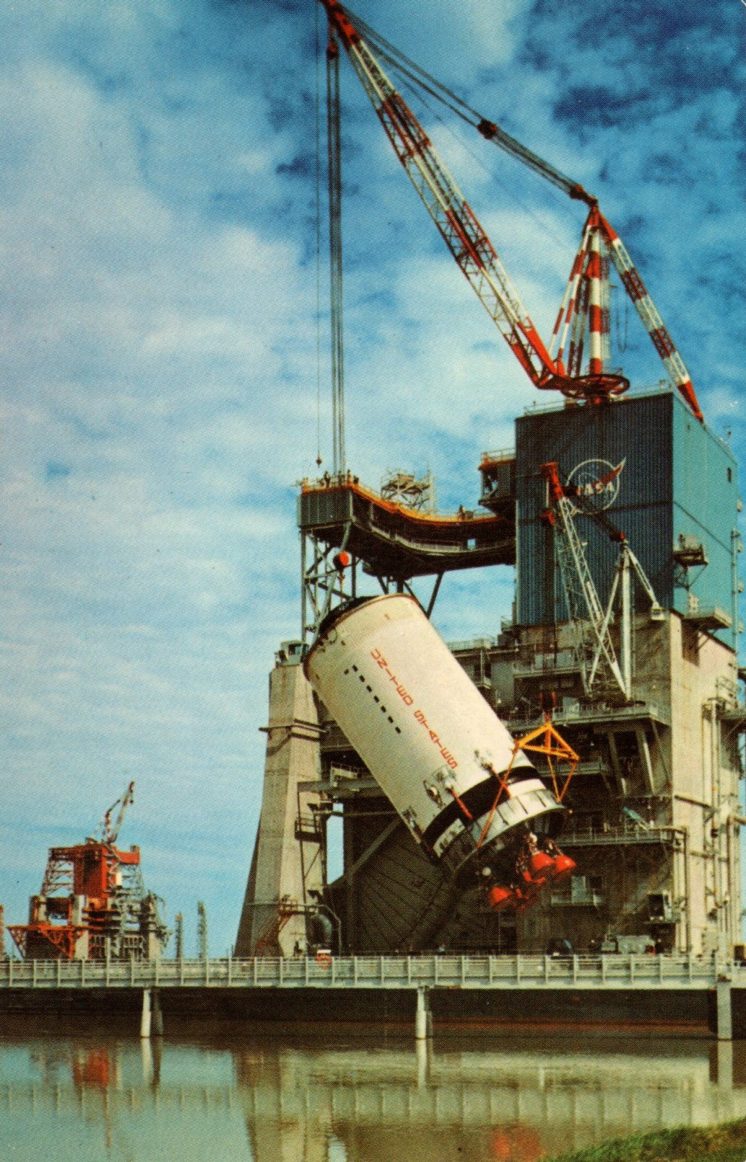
point(151, 1016)
point(146, 1014)
point(156, 1012)
point(724, 1011)
point(423, 1022)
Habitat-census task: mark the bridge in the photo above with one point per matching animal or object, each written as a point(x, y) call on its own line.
point(669, 973)
point(380, 972)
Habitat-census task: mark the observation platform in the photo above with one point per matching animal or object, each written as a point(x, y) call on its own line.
point(396, 541)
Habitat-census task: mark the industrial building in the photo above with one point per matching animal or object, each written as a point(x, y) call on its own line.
point(619, 515)
point(93, 903)
point(653, 807)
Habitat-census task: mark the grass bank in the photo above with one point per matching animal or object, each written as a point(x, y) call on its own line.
point(724, 1143)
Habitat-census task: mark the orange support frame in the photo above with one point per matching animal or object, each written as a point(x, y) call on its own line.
point(61, 939)
point(547, 741)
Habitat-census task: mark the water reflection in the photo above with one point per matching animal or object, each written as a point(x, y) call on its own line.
point(324, 1100)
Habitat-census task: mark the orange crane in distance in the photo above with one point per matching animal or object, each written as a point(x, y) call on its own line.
point(93, 903)
point(582, 321)
point(110, 832)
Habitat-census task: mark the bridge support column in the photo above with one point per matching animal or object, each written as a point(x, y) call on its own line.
point(423, 1056)
point(723, 1011)
point(156, 1027)
point(724, 1065)
point(146, 1014)
point(151, 1016)
point(423, 1021)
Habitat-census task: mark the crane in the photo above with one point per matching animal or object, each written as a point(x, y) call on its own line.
point(109, 831)
point(557, 367)
point(583, 602)
point(582, 304)
point(591, 622)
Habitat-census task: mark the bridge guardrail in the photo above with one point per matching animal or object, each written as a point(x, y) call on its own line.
point(429, 971)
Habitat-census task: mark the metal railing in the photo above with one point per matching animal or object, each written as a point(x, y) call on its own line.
point(379, 972)
point(615, 834)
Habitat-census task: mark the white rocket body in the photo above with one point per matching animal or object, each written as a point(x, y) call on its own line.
point(426, 734)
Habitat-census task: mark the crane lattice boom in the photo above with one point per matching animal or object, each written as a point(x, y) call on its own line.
point(109, 831)
point(584, 607)
point(582, 309)
point(648, 312)
point(456, 221)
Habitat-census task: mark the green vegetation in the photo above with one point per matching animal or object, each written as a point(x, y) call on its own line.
point(724, 1143)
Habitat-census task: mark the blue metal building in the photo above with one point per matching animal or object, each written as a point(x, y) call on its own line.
point(654, 473)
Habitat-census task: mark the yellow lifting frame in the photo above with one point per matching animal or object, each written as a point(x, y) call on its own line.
point(545, 740)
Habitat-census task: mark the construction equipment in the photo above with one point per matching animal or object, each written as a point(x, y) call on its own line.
point(93, 904)
point(591, 621)
point(109, 833)
point(582, 309)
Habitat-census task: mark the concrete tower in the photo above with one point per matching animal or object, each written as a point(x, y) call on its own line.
point(287, 865)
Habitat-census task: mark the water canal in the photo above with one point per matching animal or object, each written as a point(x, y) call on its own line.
point(243, 1095)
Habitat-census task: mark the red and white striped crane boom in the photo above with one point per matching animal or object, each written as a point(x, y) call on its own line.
point(648, 312)
point(457, 223)
point(598, 227)
point(478, 259)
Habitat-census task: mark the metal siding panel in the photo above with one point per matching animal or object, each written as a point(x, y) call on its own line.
point(635, 433)
point(677, 477)
point(705, 507)
point(323, 507)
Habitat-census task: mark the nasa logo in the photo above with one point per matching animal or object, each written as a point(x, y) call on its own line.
point(596, 484)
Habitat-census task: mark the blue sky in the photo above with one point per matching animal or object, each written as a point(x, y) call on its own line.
point(160, 367)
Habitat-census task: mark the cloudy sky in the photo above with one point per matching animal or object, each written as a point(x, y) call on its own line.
point(164, 373)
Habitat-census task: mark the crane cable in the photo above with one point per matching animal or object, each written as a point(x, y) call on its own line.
point(317, 210)
point(419, 77)
point(336, 267)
